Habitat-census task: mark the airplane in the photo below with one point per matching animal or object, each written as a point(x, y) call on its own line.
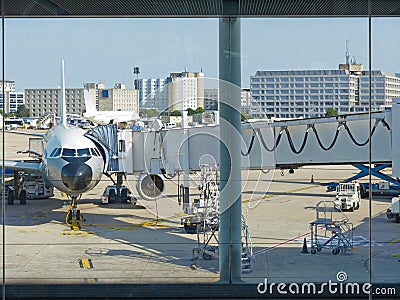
point(106, 117)
point(70, 162)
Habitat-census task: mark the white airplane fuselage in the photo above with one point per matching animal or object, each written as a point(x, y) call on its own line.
point(71, 162)
point(107, 117)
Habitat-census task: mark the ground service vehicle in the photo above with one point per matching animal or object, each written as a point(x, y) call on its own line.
point(348, 196)
point(394, 211)
point(111, 194)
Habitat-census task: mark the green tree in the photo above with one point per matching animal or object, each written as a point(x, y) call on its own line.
point(175, 113)
point(22, 112)
point(191, 111)
point(149, 112)
point(244, 116)
point(330, 112)
point(199, 110)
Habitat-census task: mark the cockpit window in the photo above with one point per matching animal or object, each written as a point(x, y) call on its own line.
point(83, 152)
point(56, 152)
point(95, 152)
point(68, 152)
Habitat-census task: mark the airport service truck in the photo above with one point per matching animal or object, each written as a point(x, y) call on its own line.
point(348, 196)
point(394, 211)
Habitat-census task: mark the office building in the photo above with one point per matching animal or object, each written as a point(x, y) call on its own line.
point(118, 98)
point(211, 99)
point(93, 89)
point(47, 100)
point(310, 93)
point(9, 86)
point(13, 101)
point(245, 100)
point(185, 90)
point(179, 91)
point(153, 93)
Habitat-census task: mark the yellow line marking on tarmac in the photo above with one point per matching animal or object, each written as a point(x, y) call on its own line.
point(77, 232)
point(129, 226)
point(91, 280)
point(40, 216)
point(152, 224)
point(122, 228)
point(283, 193)
point(395, 240)
point(86, 263)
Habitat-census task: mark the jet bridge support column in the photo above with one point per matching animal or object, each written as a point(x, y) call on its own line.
point(230, 248)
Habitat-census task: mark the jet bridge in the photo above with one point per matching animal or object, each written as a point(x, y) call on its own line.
point(266, 144)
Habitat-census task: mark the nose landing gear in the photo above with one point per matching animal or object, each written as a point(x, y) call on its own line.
point(74, 216)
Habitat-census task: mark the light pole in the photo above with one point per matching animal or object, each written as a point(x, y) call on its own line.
point(137, 72)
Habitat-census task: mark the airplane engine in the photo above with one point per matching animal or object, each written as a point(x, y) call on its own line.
point(150, 186)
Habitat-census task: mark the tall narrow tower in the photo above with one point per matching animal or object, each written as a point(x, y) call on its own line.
point(347, 53)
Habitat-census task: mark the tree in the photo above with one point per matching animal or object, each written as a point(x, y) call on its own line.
point(244, 116)
point(191, 111)
point(199, 110)
point(150, 112)
point(330, 112)
point(175, 113)
point(22, 112)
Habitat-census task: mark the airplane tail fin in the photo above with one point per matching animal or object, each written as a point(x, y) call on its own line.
point(90, 107)
point(63, 105)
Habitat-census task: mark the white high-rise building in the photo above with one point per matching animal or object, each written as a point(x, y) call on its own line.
point(310, 93)
point(14, 100)
point(153, 93)
point(245, 100)
point(9, 86)
point(179, 91)
point(185, 90)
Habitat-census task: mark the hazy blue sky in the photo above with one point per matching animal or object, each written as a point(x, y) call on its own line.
point(106, 50)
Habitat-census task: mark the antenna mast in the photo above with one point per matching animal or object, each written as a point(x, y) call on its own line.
point(347, 53)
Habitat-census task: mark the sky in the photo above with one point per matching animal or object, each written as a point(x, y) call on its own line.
point(106, 50)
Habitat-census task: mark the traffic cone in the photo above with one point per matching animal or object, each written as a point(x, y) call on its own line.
point(305, 250)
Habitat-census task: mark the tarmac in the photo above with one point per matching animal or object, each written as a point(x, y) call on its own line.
point(146, 243)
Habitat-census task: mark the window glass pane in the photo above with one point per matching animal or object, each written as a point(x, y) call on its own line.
point(83, 152)
point(68, 152)
point(159, 69)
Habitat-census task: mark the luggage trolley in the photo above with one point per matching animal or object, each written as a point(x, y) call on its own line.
point(332, 229)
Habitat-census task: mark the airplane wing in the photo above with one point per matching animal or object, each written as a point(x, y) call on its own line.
point(27, 133)
point(28, 167)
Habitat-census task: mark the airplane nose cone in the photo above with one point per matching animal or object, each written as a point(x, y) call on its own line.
point(76, 177)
